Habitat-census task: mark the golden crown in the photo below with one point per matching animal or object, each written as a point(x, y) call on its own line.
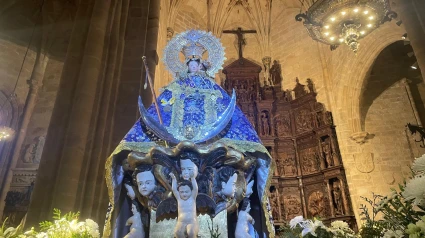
point(193, 51)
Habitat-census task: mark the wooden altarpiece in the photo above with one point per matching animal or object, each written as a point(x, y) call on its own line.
point(309, 178)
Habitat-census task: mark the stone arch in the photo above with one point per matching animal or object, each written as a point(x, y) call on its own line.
point(351, 75)
point(391, 66)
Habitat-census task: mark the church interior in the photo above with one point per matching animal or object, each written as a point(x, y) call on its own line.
point(332, 108)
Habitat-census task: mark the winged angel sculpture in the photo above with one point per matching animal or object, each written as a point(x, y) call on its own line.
point(191, 154)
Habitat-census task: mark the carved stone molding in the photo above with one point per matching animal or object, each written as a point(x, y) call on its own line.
point(360, 137)
point(364, 162)
point(23, 177)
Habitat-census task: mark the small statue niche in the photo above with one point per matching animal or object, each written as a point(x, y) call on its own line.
point(288, 96)
point(310, 85)
point(280, 167)
point(327, 152)
point(337, 200)
point(276, 73)
point(265, 123)
point(274, 203)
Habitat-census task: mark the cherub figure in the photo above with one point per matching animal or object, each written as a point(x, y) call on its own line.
point(244, 219)
point(188, 168)
point(135, 223)
point(226, 183)
point(147, 185)
point(225, 188)
point(186, 193)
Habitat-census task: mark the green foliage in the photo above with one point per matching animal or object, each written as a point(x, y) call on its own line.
point(10, 232)
point(397, 213)
point(213, 231)
point(63, 226)
point(286, 232)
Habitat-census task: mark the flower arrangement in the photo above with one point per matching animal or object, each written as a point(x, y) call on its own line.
point(401, 214)
point(66, 226)
point(300, 227)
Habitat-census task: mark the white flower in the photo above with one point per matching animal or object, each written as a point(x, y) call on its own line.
point(393, 234)
point(92, 228)
point(74, 225)
point(41, 235)
point(340, 225)
point(419, 164)
point(415, 190)
point(341, 229)
point(310, 227)
point(295, 221)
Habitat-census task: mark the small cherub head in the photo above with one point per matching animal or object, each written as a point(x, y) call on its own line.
point(135, 207)
point(227, 178)
point(145, 179)
point(185, 189)
point(125, 165)
point(245, 205)
point(188, 169)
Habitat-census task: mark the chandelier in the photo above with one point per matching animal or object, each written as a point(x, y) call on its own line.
point(6, 133)
point(336, 22)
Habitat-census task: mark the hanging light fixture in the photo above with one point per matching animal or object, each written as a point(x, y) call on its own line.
point(336, 22)
point(6, 133)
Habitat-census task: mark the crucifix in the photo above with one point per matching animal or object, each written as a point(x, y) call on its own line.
point(241, 41)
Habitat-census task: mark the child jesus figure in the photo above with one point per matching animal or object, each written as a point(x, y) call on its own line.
point(186, 193)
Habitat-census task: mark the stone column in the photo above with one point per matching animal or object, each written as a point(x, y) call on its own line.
point(279, 207)
point(411, 12)
point(345, 200)
point(151, 41)
point(330, 198)
point(83, 132)
point(67, 157)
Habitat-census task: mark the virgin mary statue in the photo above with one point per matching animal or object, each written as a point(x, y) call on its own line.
point(191, 108)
